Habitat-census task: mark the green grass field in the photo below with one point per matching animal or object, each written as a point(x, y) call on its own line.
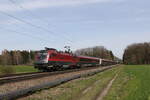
point(24, 68)
point(133, 83)
point(17, 69)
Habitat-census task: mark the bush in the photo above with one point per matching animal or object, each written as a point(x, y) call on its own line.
point(7, 69)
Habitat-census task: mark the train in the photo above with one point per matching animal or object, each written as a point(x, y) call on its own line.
point(50, 59)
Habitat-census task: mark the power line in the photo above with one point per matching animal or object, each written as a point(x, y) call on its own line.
point(20, 6)
point(30, 13)
point(28, 23)
point(24, 34)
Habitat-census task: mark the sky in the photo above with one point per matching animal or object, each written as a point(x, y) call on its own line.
point(35, 24)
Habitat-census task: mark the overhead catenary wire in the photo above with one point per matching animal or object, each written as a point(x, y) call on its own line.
point(31, 24)
point(29, 12)
point(25, 22)
point(25, 34)
point(43, 20)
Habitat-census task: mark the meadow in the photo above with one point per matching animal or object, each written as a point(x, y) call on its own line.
point(133, 83)
point(16, 69)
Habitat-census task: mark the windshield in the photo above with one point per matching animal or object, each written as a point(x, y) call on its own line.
point(41, 56)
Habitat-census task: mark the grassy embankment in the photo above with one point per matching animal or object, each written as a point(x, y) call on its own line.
point(80, 89)
point(16, 69)
point(132, 83)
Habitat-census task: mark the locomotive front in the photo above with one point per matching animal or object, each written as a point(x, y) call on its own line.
point(41, 59)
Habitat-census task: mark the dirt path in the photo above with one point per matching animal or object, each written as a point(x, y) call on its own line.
point(105, 91)
point(90, 87)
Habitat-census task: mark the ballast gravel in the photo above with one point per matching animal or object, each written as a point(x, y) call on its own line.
point(8, 87)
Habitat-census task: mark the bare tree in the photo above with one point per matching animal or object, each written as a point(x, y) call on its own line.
point(97, 51)
point(5, 58)
point(137, 54)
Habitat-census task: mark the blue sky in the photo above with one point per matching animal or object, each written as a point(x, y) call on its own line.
point(78, 23)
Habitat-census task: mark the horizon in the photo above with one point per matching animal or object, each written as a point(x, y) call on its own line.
point(33, 25)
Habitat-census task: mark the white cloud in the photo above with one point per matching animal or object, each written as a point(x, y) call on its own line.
point(37, 4)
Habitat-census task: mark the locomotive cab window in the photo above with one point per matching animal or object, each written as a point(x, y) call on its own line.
point(42, 55)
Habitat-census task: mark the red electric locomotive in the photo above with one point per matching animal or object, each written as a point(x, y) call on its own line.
point(51, 59)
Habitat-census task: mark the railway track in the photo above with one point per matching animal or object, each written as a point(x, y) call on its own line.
point(25, 91)
point(27, 76)
point(21, 77)
point(9, 75)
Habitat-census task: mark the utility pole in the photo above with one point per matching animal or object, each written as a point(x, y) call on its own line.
point(29, 56)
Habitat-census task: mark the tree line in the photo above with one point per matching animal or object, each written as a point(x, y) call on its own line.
point(97, 51)
point(138, 53)
point(16, 57)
